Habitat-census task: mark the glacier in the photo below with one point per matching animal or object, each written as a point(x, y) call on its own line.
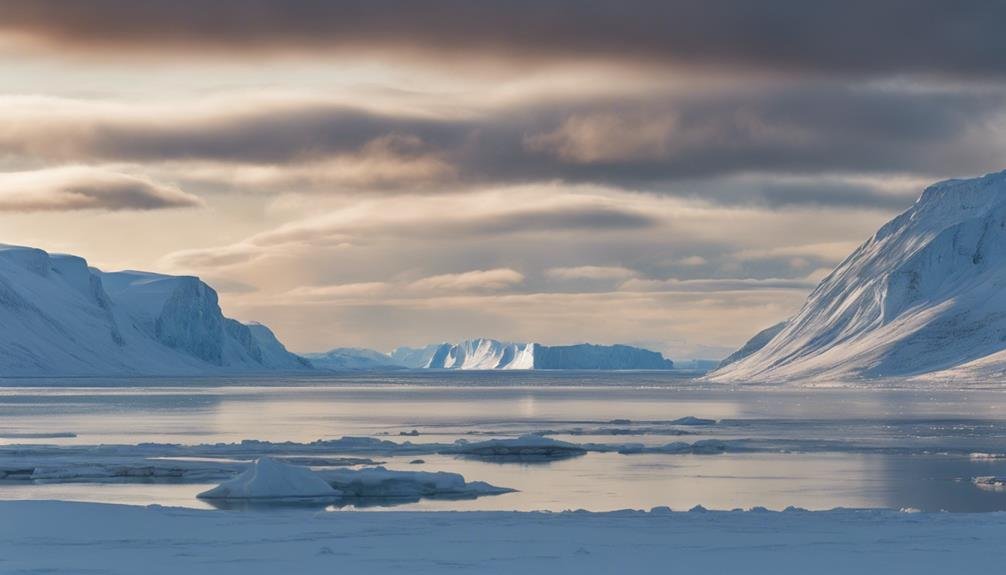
point(352, 358)
point(484, 353)
point(921, 300)
point(61, 317)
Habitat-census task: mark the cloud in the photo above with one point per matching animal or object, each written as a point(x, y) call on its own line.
point(833, 252)
point(393, 270)
point(591, 273)
point(480, 215)
point(86, 188)
point(362, 293)
point(719, 285)
point(782, 145)
point(340, 291)
point(607, 137)
point(692, 261)
point(388, 163)
point(223, 256)
point(845, 37)
point(491, 280)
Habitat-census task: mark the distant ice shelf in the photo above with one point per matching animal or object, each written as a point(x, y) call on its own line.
point(491, 354)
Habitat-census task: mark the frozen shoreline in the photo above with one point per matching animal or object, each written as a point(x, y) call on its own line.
point(42, 536)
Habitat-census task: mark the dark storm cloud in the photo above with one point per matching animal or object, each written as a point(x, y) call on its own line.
point(850, 36)
point(266, 134)
point(678, 145)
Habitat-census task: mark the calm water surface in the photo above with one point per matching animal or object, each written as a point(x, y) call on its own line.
point(822, 448)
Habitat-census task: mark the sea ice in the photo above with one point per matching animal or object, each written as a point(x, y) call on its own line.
point(381, 482)
point(525, 447)
point(270, 479)
point(990, 482)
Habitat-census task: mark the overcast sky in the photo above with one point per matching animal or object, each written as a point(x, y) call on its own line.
point(669, 173)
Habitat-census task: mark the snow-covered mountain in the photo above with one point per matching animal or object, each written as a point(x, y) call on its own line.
point(59, 317)
point(493, 354)
point(925, 297)
point(352, 358)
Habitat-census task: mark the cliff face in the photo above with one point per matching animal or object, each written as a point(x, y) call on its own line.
point(58, 317)
point(493, 354)
point(587, 356)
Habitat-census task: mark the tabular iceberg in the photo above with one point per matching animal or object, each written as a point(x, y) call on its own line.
point(485, 353)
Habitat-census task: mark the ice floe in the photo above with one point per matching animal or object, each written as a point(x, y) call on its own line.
point(386, 483)
point(990, 482)
point(268, 478)
point(525, 447)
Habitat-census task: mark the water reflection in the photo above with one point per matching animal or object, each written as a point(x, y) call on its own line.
point(852, 448)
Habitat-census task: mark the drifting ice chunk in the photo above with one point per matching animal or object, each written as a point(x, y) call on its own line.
point(270, 479)
point(691, 420)
point(990, 482)
point(524, 447)
point(381, 482)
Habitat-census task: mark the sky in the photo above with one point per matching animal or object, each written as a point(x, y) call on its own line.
point(675, 174)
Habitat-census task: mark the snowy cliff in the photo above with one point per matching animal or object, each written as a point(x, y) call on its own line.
point(58, 317)
point(493, 354)
point(924, 297)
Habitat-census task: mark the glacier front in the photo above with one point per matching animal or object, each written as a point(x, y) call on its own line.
point(486, 353)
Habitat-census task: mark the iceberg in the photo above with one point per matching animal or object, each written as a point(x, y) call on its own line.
point(486, 353)
point(267, 478)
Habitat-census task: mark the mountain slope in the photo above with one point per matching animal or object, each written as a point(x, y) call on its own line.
point(352, 358)
point(58, 317)
point(922, 298)
point(485, 353)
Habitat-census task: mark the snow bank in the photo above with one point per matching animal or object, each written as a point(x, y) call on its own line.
point(271, 479)
point(60, 537)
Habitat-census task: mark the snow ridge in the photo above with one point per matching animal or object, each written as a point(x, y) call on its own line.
point(921, 298)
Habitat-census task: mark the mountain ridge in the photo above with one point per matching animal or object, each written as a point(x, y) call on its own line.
point(922, 298)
